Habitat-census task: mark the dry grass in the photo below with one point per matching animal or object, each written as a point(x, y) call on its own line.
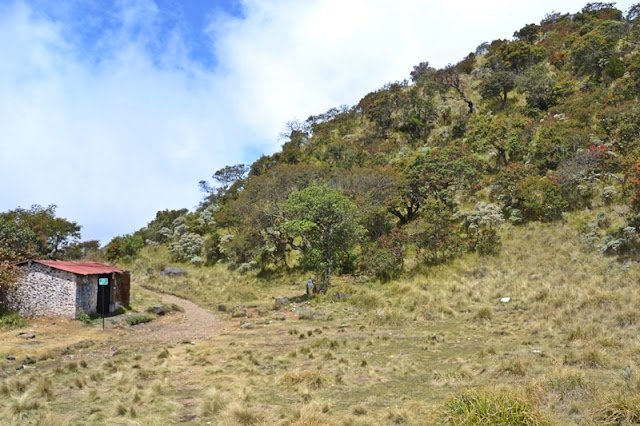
point(391, 353)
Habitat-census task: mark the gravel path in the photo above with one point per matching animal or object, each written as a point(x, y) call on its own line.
point(193, 324)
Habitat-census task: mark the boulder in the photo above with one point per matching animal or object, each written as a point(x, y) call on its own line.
point(282, 301)
point(158, 310)
point(173, 271)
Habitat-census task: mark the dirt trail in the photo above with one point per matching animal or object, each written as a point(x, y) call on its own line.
point(193, 324)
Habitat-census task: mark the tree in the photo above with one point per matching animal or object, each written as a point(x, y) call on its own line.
point(260, 208)
point(435, 174)
point(17, 243)
point(124, 247)
point(528, 33)
point(449, 78)
point(537, 84)
point(501, 134)
point(55, 233)
point(230, 179)
point(419, 70)
point(498, 81)
point(591, 52)
point(435, 232)
point(328, 224)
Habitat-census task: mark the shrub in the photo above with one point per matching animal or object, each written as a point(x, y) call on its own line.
point(539, 199)
point(480, 225)
point(11, 319)
point(84, 318)
point(385, 257)
point(139, 319)
point(188, 246)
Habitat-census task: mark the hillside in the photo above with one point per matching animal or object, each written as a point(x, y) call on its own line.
point(471, 233)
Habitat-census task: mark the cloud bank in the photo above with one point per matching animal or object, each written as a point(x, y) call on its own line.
point(108, 113)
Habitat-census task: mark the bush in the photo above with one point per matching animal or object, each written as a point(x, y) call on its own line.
point(480, 226)
point(188, 246)
point(139, 319)
point(539, 199)
point(84, 318)
point(11, 319)
point(385, 257)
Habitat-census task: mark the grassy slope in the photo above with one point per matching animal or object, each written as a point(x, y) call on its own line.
point(391, 353)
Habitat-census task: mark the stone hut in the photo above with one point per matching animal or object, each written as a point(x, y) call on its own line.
point(56, 288)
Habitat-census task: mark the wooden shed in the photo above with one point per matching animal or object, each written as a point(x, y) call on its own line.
point(56, 288)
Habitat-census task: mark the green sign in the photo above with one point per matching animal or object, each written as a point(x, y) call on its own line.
point(103, 281)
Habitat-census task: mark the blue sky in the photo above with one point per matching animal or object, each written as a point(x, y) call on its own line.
point(114, 110)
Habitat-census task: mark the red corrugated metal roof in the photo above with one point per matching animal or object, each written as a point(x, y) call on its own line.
point(80, 268)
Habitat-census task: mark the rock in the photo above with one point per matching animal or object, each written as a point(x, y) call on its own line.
point(280, 317)
point(262, 311)
point(158, 310)
point(239, 313)
point(505, 299)
point(222, 308)
point(28, 336)
point(362, 279)
point(247, 325)
point(282, 301)
point(173, 271)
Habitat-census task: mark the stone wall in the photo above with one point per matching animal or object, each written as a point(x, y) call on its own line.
point(43, 291)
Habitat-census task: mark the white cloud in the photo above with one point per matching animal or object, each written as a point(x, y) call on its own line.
point(113, 138)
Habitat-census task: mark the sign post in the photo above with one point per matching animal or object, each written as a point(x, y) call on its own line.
point(103, 282)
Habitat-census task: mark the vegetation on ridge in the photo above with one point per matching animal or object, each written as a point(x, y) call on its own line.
point(511, 175)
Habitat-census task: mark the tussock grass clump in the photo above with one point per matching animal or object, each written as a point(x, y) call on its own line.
point(244, 415)
point(213, 402)
point(44, 388)
point(567, 385)
point(164, 353)
point(515, 366)
point(487, 406)
point(312, 379)
point(20, 406)
point(484, 314)
point(390, 317)
point(623, 409)
point(50, 419)
point(311, 414)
